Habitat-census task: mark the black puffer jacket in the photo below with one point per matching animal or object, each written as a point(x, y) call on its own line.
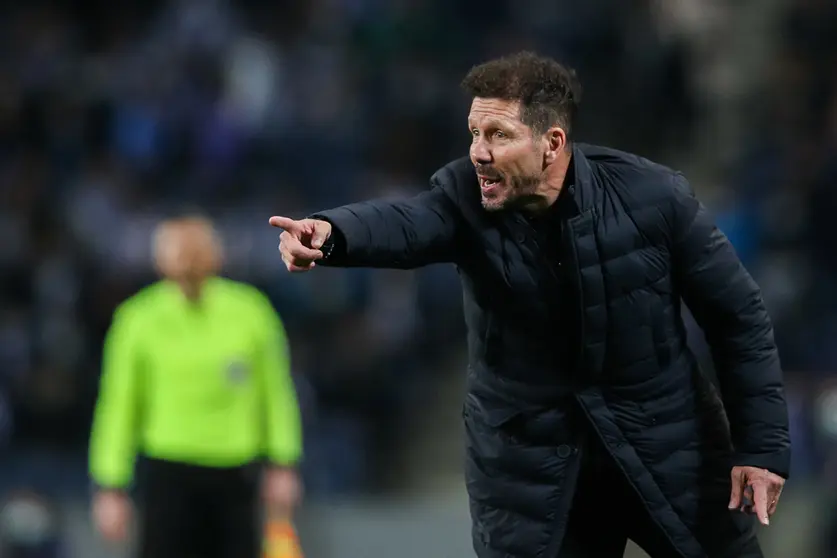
point(636, 244)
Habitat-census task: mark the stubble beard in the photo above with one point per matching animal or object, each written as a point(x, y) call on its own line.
point(520, 190)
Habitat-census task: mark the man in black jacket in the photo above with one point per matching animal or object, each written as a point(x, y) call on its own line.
point(588, 419)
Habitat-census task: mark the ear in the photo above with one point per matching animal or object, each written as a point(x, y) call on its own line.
point(556, 142)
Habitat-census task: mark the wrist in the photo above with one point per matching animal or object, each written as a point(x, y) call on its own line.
point(335, 244)
point(277, 466)
point(328, 247)
point(96, 488)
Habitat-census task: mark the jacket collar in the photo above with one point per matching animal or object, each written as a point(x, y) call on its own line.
point(582, 187)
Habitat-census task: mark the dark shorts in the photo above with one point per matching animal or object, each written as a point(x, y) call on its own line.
point(188, 511)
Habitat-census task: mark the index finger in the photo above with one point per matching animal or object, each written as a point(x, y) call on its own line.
point(760, 502)
point(736, 492)
point(284, 223)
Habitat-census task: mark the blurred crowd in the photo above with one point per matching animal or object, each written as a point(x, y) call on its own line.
point(782, 194)
point(113, 115)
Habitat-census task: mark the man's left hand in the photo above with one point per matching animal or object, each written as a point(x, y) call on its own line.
point(760, 486)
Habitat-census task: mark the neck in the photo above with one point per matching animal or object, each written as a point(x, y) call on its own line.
point(191, 289)
point(550, 187)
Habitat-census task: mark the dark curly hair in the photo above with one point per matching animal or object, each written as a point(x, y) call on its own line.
point(549, 92)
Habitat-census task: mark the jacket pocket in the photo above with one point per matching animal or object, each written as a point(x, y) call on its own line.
point(492, 416)
point(491, 430)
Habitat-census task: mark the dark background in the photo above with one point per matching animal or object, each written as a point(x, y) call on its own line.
point(113, 114)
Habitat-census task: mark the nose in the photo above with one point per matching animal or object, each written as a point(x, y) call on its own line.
point(480, 154)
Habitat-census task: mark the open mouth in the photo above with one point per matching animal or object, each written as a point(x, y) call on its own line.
point(488, 183)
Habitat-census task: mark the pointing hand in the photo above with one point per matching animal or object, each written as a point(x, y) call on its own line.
point(300, 241)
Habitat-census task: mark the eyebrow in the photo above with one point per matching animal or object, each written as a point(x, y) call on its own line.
point(492, 123)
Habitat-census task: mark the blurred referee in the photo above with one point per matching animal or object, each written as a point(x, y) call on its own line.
point(196, 380)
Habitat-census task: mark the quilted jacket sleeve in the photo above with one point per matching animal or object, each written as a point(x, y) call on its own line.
point(398, 234)
point(728, 305)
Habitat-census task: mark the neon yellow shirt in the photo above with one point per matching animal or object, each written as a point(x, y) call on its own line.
point(204, 383)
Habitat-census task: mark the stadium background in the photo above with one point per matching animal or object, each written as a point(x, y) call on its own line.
point(112, 114)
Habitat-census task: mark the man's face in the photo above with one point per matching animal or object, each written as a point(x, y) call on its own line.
point(507, 155)
point(186, 250)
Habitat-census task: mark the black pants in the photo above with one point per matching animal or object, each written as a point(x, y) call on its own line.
point(199, 512)
point(606, 512)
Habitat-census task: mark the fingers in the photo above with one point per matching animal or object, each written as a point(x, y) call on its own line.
point(737, 492)
point(294, 248)
point(747, 500)
point(112, 516)
point(282, 490)
point(772, 504)
point(760, 502)
point(296, 256)
point(322, 230)
point(299, 267)
point(114, 530)
point(755, 491)
point(774, 492)
point(295, 265)
point(300, 241)
point(285, 223)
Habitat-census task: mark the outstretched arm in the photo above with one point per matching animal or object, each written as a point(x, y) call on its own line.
point(398, 234)
point(401, 234)
point(728, 305)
